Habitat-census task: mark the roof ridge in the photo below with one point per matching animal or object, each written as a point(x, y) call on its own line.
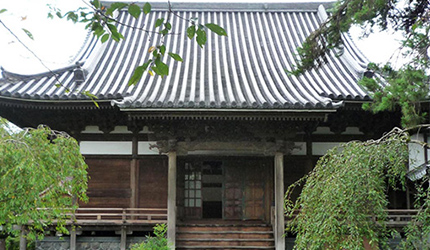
point(235, 6)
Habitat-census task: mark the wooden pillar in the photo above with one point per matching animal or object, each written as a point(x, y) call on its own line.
point(123, 243)
point(23, 239)
point(171, 199)
point(2, 243)
point(134, 173)
point(279, 201)
point(73, 239)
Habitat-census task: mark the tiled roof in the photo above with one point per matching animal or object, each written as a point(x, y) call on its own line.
point(245, 70)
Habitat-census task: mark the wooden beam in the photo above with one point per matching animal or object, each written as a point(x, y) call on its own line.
point(171, 199)
point(279, 202)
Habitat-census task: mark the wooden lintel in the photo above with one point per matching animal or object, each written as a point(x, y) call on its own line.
point(246, 147)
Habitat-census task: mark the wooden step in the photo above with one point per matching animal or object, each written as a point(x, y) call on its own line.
point(189, 228)
point(224, 236)
point(226, 242)
point(224, 248)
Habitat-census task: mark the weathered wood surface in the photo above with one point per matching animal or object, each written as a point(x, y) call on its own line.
point(109, 183)
point(117, 216)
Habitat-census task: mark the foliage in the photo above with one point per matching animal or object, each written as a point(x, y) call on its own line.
point(406, 88)
point(43, 175)
point(344, 199)
point(408, 17)
point(101, 21)
point(157, 242)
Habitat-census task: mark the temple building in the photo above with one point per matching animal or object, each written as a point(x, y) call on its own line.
point(211, 148)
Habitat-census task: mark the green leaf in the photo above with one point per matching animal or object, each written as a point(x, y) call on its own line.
point(146, 8)
point(164, 32)
point(162, 49)
point(104, 38)
point(97, 29)
point(114, 32)
point(176, 57)
point(28, 33)
point(137, 75)
point(191, 31)
point(89, 94)
point(159, 22)
point(3, 10)
point(168, 25)
point(161, 68)
point(216, 29)
point(134, 10)
point(72, 16)
point(201, 37)
point(115, 6)
point(96, 4)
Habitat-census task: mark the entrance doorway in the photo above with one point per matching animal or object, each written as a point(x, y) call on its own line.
point(212, 178)
point(203, 189)
point(230, 188)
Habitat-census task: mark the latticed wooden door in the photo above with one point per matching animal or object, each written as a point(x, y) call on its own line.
point(233, 193)
point(244, 191)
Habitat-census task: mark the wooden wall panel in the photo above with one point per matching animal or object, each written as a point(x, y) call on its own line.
point(109, 183)
point(153, 182)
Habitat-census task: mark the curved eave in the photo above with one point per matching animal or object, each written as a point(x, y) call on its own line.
point(57, 105)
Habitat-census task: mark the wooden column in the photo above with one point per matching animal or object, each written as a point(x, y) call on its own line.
point(279, 202)
point(73, 239)
point(2, 243)
point(171, 199)
point(123, 242)
point(134, 173)
point(23, 239)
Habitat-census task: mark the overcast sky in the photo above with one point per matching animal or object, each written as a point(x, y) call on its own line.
point(56, 41)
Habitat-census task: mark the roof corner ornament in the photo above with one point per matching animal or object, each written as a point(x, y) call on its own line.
point(79, 74)
point(368, 73)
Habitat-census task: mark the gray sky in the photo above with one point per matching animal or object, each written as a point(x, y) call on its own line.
point(56, 41)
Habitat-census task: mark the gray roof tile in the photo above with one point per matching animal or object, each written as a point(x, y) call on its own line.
point(245, 70)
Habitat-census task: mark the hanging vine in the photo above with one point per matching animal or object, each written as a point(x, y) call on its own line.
point(343, 204)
